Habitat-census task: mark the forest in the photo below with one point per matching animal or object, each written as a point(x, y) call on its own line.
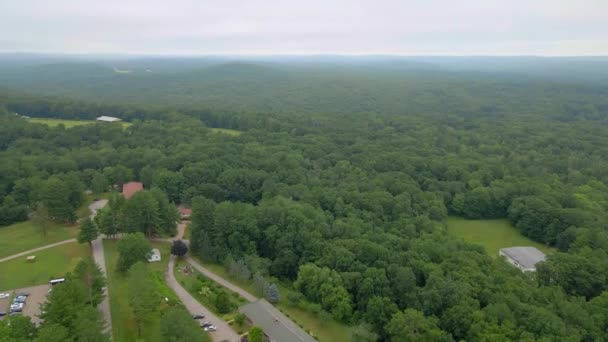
point(340, 184)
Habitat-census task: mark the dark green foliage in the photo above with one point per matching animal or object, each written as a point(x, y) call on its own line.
point(339, 184)
point(176, 325)
point(255, 334)
point(179, 248)
point(222, 302)
point(88, 231)
point(89, 273)
point(144, 298)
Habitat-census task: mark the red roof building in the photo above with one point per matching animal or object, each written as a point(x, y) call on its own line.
point(185, 212)
point(129, 189)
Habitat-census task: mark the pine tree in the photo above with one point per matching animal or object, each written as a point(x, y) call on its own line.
point(88, 231)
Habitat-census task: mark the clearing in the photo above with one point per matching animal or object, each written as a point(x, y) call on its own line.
point(123, 325)
point(491, 234)
point(227, 131)
point(23, 236)
point(50, 263)
point(68, 123)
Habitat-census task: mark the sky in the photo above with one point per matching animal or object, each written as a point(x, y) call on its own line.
point(275, 27)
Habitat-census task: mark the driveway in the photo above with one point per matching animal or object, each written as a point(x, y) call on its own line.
point(224, 332)
point(100, 259)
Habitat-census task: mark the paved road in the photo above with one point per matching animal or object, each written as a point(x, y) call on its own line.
point(31, 251)
point(100, 259)
point(225, 283)
point(224, 332)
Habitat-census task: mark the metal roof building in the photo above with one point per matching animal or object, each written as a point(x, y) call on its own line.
point(524, 258)
point(275, 324)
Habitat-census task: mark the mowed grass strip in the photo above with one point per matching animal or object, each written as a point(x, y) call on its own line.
point(50, 263)
point(123, 323)
point(68, 123)
point(491, 234)
point(23, 236)
point(324, 330)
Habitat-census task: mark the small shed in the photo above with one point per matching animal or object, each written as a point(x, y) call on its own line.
point(129, 189)
point(154, 255)
point(185, 213)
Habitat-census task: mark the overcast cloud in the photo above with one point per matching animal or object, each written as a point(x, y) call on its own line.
point(404, 27)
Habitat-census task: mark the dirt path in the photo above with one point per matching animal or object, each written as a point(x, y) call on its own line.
point(32, 251)
point(225, 283)
point(224, 332)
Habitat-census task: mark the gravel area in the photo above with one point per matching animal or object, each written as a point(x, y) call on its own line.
point(32, 305)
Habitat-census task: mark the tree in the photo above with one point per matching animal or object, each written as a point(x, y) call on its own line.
point(16, 329)
point(99, 183)
point(176, 325)
point(144, 298)
point(89, 326)
point(411, 326)
point(91, 276)
point(222, 302)
point(179, 248)
point(141, 213)
point(88, 231)
point(56, 199)
point(272, 295)
point(53, 333)
point(41, 218)
point(132, 248)
point(256, 334)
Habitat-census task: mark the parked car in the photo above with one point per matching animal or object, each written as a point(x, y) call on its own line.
point(206, 324)
point(210, 328)
point(19, 300)
point(23, 294)
point(2, 313)
point(198, 316)
point(4, 295)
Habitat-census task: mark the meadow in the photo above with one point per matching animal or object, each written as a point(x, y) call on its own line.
point(23, 236)
point(491, 234)
point(50, 263)
point(68, 123)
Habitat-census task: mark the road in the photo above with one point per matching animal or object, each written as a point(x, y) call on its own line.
point(224, 332)
point(100, 259)
point(32, 251)
point(225, 283)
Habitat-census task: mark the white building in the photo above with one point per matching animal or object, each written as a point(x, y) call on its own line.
point(524, 258)
point(104, 118)
point(154, 255)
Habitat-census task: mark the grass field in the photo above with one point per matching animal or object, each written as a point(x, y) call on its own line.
point(67, 123)
point(123, 325)
point(491, 234)
point(324, 330)
point(232, 132)
point(50, 263)
point(26, 235)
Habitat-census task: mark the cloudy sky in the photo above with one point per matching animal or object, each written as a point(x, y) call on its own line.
point(403, 27)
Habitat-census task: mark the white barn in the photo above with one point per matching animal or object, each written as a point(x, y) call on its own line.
point(154, 255)
point(524, 258)
point(104, 118)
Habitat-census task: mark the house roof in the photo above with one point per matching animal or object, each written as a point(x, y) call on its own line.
point(185, 211)
point(527, 257)
point(129, 189)
point(274, 323)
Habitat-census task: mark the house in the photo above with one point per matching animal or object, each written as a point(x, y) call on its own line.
point(129, 189)
point(185, 213)
point(276, 326)
point(154, 255)
point(104, 118)
point(524, 258)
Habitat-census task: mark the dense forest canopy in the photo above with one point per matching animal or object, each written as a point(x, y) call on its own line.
point(343, 176)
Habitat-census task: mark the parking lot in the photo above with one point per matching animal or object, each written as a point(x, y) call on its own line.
point(37, 296)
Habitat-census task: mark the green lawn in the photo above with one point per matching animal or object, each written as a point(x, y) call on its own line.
point(68, 123)
point(232, 132)
point(324, 330)
point(491, 234)
point(50, 263)
point(123, 325)
point(26, 235)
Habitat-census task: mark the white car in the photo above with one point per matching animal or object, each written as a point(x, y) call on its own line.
point(210, 328)
point(4, 295)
